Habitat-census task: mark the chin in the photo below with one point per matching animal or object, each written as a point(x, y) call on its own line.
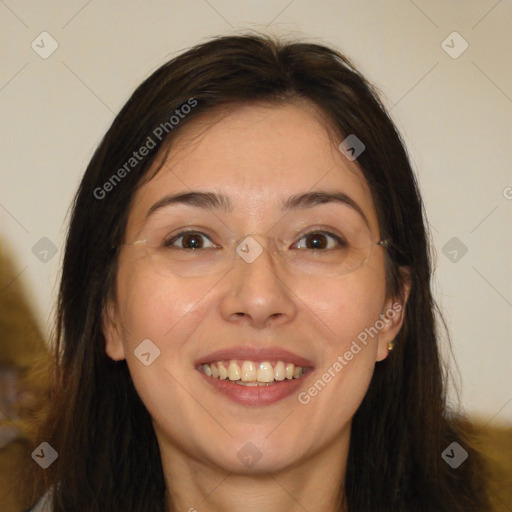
point(253, 455)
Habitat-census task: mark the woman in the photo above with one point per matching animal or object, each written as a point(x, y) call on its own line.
point(245, 314)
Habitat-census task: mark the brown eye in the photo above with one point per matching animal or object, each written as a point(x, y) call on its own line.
point(316, 241)
point(190, 240)
point(320, 240)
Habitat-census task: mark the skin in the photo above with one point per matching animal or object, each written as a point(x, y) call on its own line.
point(258, 156)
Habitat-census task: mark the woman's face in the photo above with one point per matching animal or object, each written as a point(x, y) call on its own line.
point(246, 308)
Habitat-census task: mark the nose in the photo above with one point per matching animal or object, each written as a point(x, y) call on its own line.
point(257, 293)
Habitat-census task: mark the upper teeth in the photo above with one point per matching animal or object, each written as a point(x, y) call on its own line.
point(249, 371)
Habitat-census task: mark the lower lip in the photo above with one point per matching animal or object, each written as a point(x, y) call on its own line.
point(256, 395)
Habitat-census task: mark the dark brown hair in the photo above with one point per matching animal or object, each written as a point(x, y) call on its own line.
point(98, 421)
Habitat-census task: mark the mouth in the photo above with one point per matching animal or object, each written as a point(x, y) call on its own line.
point(254, 377)
point(253, 373)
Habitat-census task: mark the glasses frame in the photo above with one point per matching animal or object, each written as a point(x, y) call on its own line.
point(382, 242)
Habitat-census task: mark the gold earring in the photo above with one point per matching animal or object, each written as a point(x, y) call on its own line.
point(391, 344)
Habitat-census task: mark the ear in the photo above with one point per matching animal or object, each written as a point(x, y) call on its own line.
point(393, 314)
point(112, 333)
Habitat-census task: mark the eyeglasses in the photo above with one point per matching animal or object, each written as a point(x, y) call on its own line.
point(318, 252)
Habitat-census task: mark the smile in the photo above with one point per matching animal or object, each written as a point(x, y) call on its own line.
point(251, 373)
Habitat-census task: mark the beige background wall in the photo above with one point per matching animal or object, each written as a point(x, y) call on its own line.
point(453, 106)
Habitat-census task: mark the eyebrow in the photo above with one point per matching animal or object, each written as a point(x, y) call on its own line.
point(311, 199)
point(210, 200)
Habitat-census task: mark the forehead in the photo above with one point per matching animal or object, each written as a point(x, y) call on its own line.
point(257, 156)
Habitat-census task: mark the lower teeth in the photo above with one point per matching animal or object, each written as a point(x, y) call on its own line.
point(242, 383)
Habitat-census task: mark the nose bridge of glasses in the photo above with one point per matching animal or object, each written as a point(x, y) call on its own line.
point(252, 245)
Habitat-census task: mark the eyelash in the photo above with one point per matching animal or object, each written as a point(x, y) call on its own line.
point(182, 234)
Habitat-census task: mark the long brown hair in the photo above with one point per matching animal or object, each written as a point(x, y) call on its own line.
point(108, 454)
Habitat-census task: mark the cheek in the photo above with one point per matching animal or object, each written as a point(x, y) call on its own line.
point(152, 306)
point(162, 310)
point(348, 309)
point(347, 305)
point(167, 311)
